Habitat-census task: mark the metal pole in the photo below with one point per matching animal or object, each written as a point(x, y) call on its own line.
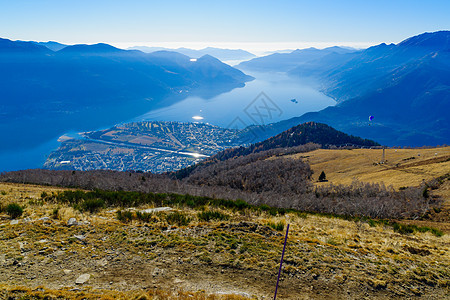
point(281, 262)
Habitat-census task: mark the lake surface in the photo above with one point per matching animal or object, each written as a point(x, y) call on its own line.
point(267, 99)
point(271, 97)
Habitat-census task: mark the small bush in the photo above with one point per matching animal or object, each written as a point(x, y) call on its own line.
point(212, 215)
point(178, 218)
point(264, 207)
point(55, 213)
point(14, 210)
point(273, 211)
point(3, 193)
point(372, 223)
point(405, 229)
point(124, 216)
point(277, 226)
point(301, 214)
point(144, 217)
point(241, 204)
point(92, 205)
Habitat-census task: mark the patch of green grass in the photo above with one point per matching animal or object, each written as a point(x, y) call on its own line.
point(212, 215)
point(124, 216)
point(408, 229)
point(92, 205)
point(178, 218)
point(55, 213)
point(279, 226)
point(145, 217)
point(301, 214)
point(14, 210)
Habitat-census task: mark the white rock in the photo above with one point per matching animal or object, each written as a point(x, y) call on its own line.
point(157, 209)
point(83, 278)
point(72, 221)
point(79, 237)
point(14, 222)
point(59, 253)
point(67, 271)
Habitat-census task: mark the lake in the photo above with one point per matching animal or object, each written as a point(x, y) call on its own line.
point(271, 97)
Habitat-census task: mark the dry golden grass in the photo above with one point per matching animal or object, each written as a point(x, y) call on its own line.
point(399, 170)
point(325, 257)
point(25, 293)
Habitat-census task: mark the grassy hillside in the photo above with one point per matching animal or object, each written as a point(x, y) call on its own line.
point(216, 250)
point(402, 168)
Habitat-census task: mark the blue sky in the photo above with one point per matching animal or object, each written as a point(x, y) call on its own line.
point(250, 24)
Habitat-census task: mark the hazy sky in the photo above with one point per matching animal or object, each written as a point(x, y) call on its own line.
point(274, 24)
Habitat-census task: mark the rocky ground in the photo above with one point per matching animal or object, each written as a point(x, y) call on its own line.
point(55, 250)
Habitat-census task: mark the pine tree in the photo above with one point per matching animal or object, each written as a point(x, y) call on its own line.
point(322, 176)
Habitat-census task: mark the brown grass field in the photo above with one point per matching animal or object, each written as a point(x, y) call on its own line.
point(402, 168)
point(237, 258)
point(399, 170)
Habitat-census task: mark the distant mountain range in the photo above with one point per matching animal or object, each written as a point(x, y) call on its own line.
point(222, 54)
point(405, 87)
point(219, 53)
point(287, 61)
point(54, 46)
point(45, 93)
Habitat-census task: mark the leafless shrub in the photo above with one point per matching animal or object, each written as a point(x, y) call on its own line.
point(276, 182)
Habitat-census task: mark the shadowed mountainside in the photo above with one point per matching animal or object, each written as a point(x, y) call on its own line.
point(406, 87)
point(80, 87)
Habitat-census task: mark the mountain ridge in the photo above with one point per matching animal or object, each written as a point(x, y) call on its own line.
point(220, 53)
point(405, 86)
point(80, 87)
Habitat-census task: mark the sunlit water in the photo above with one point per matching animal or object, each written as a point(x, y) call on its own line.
point(267, 99)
